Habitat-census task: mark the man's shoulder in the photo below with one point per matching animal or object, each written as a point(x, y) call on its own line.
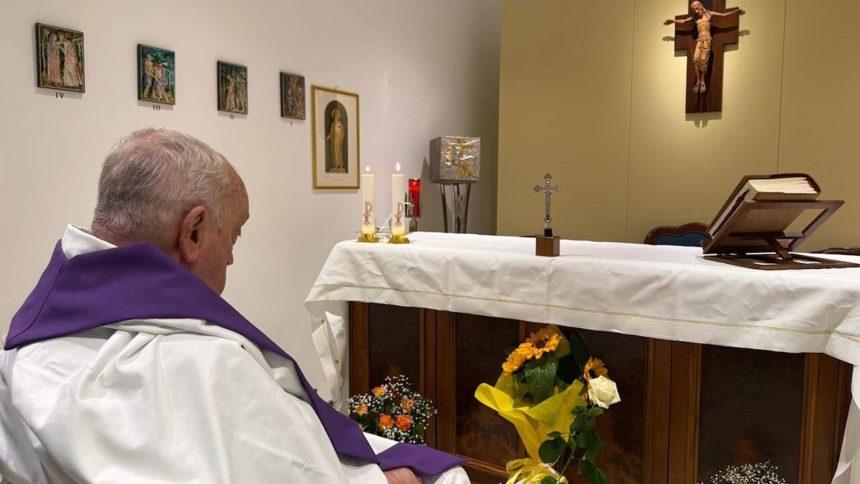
point(192, 336)
point(172, 348)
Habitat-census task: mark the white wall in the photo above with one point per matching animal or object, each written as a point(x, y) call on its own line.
point(422, 69)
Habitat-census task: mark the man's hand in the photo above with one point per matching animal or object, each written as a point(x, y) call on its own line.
point(402, 475)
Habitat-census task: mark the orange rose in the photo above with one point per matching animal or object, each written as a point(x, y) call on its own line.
point(404, 422)
point(385, 421)
point(407, 404)
point(378, 391)
point(361, 410)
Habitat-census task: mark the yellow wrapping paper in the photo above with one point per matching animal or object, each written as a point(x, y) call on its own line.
point(528, 471)
point(532, 423)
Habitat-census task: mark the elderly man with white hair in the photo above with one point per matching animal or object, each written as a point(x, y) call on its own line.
point(125, 365)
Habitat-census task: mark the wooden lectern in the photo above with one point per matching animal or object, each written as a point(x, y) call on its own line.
point(752, 233)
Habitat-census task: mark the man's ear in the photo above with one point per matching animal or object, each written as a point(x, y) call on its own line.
point(191, 234)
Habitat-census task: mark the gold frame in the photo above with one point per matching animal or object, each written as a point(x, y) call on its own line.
point(314, 124)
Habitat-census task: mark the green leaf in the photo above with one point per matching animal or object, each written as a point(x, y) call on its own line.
point(554, 434)
point(596, 411)
point(562, 443)
point(568, 369)
point(599, 477)
point(583, 420)
point(593, 447)
point(549, 480)
point(578, 350)
point(585, 469)
point(590, 423)
point(582, 439)
point(540, 376)
point(549, 451)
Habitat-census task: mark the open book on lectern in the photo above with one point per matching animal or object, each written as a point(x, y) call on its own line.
point(752, 228)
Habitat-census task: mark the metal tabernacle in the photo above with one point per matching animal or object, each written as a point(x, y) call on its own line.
point(455, 163)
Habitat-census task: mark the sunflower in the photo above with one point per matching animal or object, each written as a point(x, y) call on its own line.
point(544, 341)
point(594, 367)
point(515, 361)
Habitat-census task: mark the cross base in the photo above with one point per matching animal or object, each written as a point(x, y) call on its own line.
point(547, 246)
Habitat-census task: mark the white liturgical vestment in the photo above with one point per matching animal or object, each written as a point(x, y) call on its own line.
point(163, 401)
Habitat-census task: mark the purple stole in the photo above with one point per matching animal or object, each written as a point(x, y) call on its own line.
point(141, 282)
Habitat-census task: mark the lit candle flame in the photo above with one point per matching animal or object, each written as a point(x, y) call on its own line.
point(367, 169)
point(397, 167)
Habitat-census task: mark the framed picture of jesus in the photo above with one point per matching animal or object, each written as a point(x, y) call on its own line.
point(232, 88)
point(156, 75)
point(292, 96)
point(335, 138)
point(59, 58)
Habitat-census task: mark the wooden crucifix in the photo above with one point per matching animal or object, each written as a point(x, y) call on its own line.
point(704, 33)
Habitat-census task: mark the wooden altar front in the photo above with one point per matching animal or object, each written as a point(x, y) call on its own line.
point(687, 410)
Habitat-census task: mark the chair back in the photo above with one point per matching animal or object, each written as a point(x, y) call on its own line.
point(688, 235)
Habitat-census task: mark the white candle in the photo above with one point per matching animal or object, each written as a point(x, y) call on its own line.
point(368, 222)
point(398, 202)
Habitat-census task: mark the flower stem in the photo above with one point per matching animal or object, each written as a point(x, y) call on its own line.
point(569, 460)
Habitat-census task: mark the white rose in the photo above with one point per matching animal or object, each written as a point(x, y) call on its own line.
point(603, 392)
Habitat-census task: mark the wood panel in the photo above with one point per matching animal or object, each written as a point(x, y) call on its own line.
point(823, 417)
point(479, 350)
point(681, 383)
point(684, 412)
point(446, 417)
point(657, 403)
point(429, 363)
point(751, 410)
point(622, 428)
point(403, 326)
point(359, 348)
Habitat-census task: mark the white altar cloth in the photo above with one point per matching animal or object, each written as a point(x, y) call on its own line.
point(663, 292)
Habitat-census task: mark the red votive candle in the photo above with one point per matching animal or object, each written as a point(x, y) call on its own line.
point(415, 196)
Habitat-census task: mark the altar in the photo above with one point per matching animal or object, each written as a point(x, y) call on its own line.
point(717, 365)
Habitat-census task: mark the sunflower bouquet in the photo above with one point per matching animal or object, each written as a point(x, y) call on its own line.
point(393, 410)
point(552, 392)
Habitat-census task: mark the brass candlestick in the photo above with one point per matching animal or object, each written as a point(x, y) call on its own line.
point(399, 239)
point(369, 238)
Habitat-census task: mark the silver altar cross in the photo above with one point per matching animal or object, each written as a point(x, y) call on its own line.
point(548, 189)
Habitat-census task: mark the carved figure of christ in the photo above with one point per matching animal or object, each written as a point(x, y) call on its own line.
point(704, 33)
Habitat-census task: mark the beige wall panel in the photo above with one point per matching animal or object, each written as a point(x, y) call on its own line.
point(564, 108)
point(682, 167)
point(821, 96)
